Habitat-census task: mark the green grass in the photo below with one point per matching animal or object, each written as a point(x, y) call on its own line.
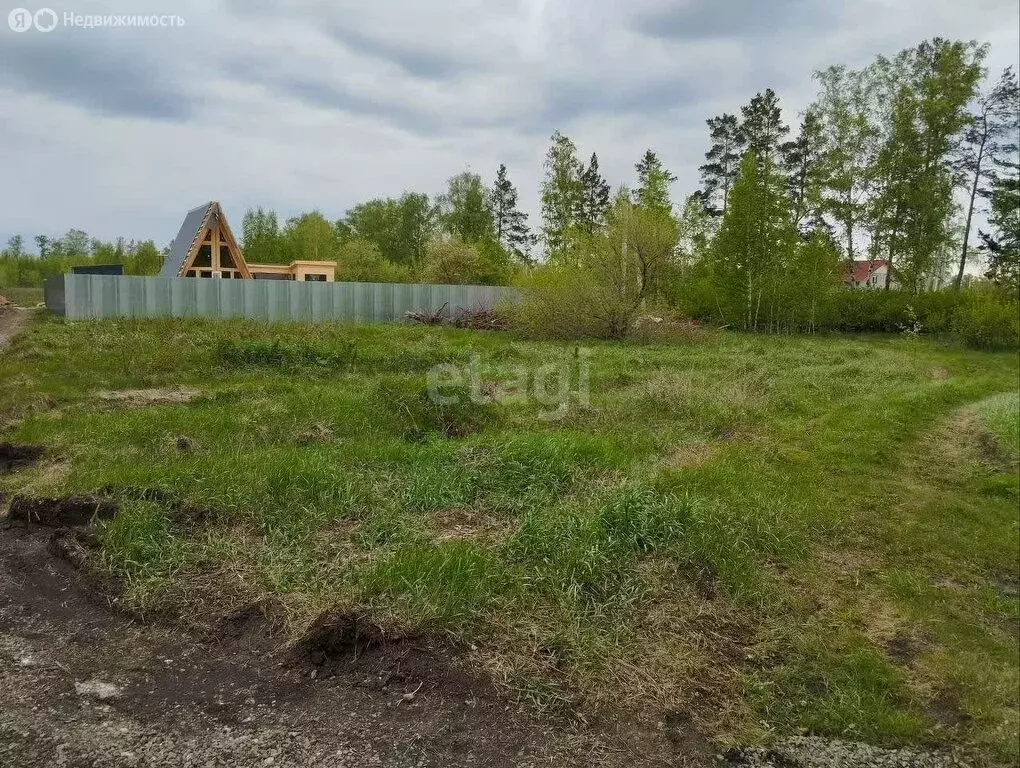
point(744, 528)
point(23, 297)
point(1000, 417)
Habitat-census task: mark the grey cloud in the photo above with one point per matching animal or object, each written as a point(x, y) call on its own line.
point(412, 58)
point(701, 19)
point(330, 95)
point(569, 100)
point(91, 71)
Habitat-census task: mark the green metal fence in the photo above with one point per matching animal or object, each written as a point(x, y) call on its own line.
point(82, 297)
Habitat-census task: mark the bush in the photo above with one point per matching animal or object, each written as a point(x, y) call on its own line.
point(454, 262)
point(558, 304)
point(361, 261)
point(988, 320)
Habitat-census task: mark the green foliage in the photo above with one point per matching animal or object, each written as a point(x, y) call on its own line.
point(561, 194)
point(593, 200)
point(361, 261)
point(19, 268)
point(509, 222)
point(400, 228)
point(802, 160)
point(751, 263)
point(464, 210)
point(261, 239)
point(720, 171)
point(989, 142)
point(762, 126)
point(924, 92)
point(451, 261)
point(600, 293)
point(1004, 244)
point(988, 320)
point(654, 181)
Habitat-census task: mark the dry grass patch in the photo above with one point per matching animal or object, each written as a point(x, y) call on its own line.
point(146, 398)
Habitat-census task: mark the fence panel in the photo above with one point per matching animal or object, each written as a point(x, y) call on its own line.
point(80, 297)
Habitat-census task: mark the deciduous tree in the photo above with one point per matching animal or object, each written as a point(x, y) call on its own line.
point(464, 209)
point(561, 191)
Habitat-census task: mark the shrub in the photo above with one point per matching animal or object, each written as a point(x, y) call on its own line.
point(454, 262)
point(601, 287)
point(988, 320)
point(361, 261)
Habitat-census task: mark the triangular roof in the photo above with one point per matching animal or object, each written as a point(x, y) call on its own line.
point(198, 224)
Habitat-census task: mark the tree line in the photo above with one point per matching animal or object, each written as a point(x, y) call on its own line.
point(20, 267)
point(470, 233)
point(892, 161)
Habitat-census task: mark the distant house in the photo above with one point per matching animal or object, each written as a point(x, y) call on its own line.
point(205, 247)
point(868, 274)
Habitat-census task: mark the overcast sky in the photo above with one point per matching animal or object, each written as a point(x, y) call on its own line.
point(320, 104)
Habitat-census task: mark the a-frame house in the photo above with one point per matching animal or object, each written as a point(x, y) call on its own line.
point(205, 247)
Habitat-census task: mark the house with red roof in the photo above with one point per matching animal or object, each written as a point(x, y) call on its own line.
point(868, 273)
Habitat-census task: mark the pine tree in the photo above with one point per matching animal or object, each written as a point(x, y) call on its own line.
point(1003, 245)
point(723, 165)
point(763, 127)
point(511, 224)
point(561, 190)
point(988, 141)
point(653, 184)
point(802, 161)
point(593, 202)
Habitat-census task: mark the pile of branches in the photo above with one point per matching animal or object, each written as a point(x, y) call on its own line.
point(427, 318)
point(478, 319)
point(481, 320)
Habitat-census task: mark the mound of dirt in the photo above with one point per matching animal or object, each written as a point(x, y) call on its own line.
point(335, 638)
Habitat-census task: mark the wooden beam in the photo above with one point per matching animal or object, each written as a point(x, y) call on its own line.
point(216, 244)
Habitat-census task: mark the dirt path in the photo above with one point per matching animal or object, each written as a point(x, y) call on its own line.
point(81, 685)
point(12, 320)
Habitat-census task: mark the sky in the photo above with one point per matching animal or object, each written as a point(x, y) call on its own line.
point(321, 104)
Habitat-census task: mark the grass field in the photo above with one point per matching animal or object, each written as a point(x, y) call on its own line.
point(23, 297)
point(763, 534)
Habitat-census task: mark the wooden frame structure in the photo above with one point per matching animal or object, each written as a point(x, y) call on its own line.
point(214, 251)
point(205, 247)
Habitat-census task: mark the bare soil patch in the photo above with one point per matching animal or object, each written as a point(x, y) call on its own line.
point(85, 684)
point(12, 321)
point(59, 513)
point(14, 456)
